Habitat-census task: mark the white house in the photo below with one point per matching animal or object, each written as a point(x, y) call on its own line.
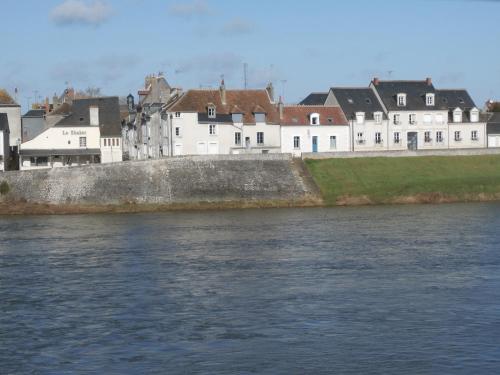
point(90, 134)
point(366, 116)
point(13, 111)
point(4, 141)
point(493, 129)
point(224, 122)
point(313, 129)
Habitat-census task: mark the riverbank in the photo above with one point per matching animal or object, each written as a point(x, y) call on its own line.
point(429, 179)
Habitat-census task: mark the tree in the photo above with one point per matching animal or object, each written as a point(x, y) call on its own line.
point(89, 92)
point(5, 97)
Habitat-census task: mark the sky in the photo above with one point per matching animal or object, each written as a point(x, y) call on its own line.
point(301, 46)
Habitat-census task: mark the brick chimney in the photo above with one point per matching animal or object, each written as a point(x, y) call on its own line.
point(428, 80)
point(375, 81)
point(222, 90)
point(281, 107)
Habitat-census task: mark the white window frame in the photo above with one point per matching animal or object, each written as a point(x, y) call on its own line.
point(401, 99)
point(378, 138)
point(439, 136)
point(427, 137)
point(83, 142)
point(396, 119)
point(458, 136)
point(360, 138)
point(430, 100)
point(427, 118)
point(377, 116)
point(177, 131)
point(474, 115)
point(212, 129)
point(457, 116)
point(260, 138)
point(296, 142)
point(439, 118)
point(397, 138)
point(212, 112)
point(474, 135)
point(314, 119)
point(360, 118)
point(236, 143)
point(412, 119)
point(334, 138)
point(177, 114)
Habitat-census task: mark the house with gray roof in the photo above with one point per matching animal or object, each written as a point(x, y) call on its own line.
point(89, 133)
point(493, 129)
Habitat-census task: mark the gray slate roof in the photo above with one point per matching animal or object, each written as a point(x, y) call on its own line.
point(361, 99)
point(415, 95)
point(109, 115)
point(455, 98)
point(493, 126)
point(35, 113)
point(4, 122)
point(315, 98)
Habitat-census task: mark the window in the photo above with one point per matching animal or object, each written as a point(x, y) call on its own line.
point(429, 99)
point(439, 137)
point(401, 100)
point(378, 138)
point(473, 135)
point(211, 111)
point(260, 138)
point(360, 139)
point(83, 141)
point(457, 136)
point(412, 119)
point(439, 119)
point(177, 114)
point(296, 143)
point(314, 119)
point(397, 138)
point(212, 129)
point(360, 117)
point(396, 120)
point(117, 141)
point(260, 117)
point(457, 115)
point(177, 132)
point(474, 115)
point(427, 137)
point(105, 142)
point(333, 142)
point(40, 161)
point(378, 117)
point(427, 118)
point(237, 138)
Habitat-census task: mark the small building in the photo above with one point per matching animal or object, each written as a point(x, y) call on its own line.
point(13, 111)
point(493, 130)
point(91, 133)
point(32, 123)
point(4, 142)
point(313, 129)
point(212, 121)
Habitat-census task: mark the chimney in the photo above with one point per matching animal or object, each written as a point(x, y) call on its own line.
point(270, 91)
point(375, 81)
point(428, 80)
point(281, 107)
point(222, 90)
point(94, 115)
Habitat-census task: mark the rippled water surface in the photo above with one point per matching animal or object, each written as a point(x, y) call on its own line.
point(379, 290)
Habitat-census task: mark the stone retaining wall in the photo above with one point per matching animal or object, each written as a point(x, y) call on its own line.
point(399, 154)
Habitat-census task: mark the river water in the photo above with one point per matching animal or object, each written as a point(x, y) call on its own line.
point(376, 290)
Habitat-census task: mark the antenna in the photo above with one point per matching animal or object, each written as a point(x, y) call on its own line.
point(389, 73)
point(245, 75)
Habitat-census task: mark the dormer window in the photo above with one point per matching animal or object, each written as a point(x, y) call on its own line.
point(401, 100)
point(457, 115)
point(360, 117)
point(474, 115)
point(378, 117)
point(211, 111)
point(430, 99)
point(314, 118)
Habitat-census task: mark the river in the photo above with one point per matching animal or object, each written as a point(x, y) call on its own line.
point(375, 290)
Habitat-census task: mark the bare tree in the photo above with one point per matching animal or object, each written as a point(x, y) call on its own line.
point(89, 92)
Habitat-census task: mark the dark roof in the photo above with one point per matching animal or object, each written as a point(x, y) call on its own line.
point(494, 118)
point(493, 126)
point(35, 113)
point(220, 118)
point(353, 100)
point(415, 95)
point(54, 152)
point(300, 115)
point(315, 98)
point(4, 122)
point(247, 100)
point(109, 115)
point(455, 98)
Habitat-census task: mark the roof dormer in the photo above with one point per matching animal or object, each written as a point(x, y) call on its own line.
point(314, 118)
point(474, 115)
point(457, 115)
point(430, 99)
point(211, 110)
point(401, 99)
point(360, 117)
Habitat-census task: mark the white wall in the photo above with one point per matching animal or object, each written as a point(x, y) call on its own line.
point(494, 140)
point(111, 152)
point(63, 138)
point(369, 128)
point(14, 117)
point(4, 150)
point(306, 134)
point(465, 130)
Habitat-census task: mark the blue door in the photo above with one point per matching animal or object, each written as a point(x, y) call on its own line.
point(315, 143)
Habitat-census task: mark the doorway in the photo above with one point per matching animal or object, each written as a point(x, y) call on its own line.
point(412, 141)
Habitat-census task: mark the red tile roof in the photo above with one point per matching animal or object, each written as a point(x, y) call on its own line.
point(237, 101)
point(300, 115)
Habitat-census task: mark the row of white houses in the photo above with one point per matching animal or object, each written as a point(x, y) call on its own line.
point(387, 115)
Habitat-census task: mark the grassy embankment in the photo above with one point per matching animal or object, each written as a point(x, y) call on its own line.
point(407, 180)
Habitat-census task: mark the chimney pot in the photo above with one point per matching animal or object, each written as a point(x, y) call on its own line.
point(428, 80)
point(376, 81)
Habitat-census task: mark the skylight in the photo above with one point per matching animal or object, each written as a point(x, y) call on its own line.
point(350, 101)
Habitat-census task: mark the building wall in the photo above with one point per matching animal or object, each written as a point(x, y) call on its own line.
point(31, 127)
point(369, 128)
point(64, 138)
point(465, 130)
point(4, 150)
point(306, 134)
point(111, 150)
point(194, 138)
point(14, 116)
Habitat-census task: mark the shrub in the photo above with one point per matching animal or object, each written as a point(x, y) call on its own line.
point(4, 188)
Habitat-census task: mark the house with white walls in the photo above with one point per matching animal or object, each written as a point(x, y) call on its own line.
point(4, 141)
point(13, 112)
point(91, 133)
point(366, 116)
point(221, 121)
point(313, 129)
point(493, 130)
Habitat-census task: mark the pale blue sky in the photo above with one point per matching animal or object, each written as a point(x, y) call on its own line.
point(311, 45)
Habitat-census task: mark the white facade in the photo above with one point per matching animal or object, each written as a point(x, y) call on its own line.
point(111, 149)
point(4, 149)
point(297, 139)
point(370, 135)
point(13, 112)
point(189, 137)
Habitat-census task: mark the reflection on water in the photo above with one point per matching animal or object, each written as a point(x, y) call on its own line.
point(378, 290)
